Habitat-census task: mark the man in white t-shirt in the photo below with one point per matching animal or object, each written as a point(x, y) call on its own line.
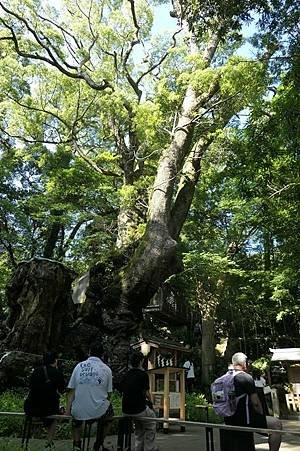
point(189, 375)
point(90, 385)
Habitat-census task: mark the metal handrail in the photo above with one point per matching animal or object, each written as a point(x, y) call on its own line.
point(175, 421)
point(125, 429)
point(220, 426)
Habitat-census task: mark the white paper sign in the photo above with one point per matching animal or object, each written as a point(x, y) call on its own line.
point(174, 400)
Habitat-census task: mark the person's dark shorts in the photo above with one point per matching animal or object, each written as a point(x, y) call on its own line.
point(40, 412)
point(45, 421)
point(106, 416)
point(48, 421)
point(259, 421)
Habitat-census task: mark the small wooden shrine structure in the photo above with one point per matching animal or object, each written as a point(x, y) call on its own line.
point(290, 359)
point(161, 353)
point(167, 379)
point(167, 386)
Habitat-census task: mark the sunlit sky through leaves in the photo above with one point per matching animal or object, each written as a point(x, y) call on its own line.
point(164, 23)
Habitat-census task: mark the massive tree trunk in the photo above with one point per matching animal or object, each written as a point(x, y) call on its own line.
point(40, 306)
point(16, 367)
point(207, 302)
point(119, 290)
point(146, 266)
point(208, 349)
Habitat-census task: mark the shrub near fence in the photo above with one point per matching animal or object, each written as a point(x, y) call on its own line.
point(198, 409)
point(13, 400)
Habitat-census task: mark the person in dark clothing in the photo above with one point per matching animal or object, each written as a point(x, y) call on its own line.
point(135, 403)
point(249, 410)
point(260, 384)
point(45, 386)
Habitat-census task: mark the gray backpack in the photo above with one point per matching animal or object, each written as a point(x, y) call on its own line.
point(223, 394)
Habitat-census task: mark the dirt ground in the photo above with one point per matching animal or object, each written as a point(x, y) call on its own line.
point(193, 439)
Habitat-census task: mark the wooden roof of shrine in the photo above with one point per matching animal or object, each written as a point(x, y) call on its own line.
point(155, 342)
point(285, 354)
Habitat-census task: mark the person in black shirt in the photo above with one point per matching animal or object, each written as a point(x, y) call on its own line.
point(45, 386)
point(260, 384)
point(135, 403)
point(249, 410)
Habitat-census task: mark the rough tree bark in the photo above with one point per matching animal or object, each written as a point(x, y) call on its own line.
point(207, 302)
point(208, 349)
point(15, 368)
point(40, 306)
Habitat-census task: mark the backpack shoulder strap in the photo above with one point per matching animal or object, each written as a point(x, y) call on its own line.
point(244, 395)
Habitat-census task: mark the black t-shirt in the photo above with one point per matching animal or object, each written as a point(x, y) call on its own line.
point(245, 415)
point(43, 397)
point(134, 387)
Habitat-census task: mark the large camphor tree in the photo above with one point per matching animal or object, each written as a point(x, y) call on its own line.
point(91, 97)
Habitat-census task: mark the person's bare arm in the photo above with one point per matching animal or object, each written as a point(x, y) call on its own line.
point(148, 395)
point(256, 403)
point(71, 396)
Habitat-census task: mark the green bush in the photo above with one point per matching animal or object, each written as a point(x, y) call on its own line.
point(116, 401)
point(262, 364)
point(66, 367)
point(13, 444)
point(199, 409)
point(11, 401)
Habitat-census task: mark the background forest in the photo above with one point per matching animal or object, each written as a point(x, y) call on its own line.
point(158, 156)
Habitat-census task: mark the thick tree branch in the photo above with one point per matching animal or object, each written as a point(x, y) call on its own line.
point(52, 235)
point(186, 189)
point(10, 252)
point(34, 140)
point(63, 30)
point(172, 159)
point(131, 81)
point(64, 247)
point(134, 18)
point(211, 108)
point(191, 173)
point(127, 151)
point(51, 59)
point(201, 102)
point(135, 83)
point(160, 61)
point(211, 48)
point(6, 243)
point(75, 230)
point(38, 39)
